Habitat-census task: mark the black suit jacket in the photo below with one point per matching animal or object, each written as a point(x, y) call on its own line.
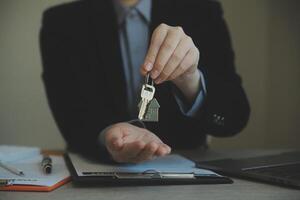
point(85, 85)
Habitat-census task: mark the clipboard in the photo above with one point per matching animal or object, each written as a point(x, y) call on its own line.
point(86, 172)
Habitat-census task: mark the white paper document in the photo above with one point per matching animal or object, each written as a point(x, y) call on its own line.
point(34, 174)
point(11, 153)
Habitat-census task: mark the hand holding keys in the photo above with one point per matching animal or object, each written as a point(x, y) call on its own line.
point(148, 106)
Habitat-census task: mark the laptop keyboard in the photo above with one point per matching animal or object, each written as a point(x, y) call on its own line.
point(291, 171)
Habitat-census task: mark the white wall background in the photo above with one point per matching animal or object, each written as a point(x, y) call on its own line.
point(266, 39)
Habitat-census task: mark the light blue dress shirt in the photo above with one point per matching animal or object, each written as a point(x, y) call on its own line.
point(134, 25)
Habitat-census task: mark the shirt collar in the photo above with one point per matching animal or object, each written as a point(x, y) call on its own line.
point(143, 7)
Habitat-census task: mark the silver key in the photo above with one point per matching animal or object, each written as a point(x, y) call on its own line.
point(147, 95)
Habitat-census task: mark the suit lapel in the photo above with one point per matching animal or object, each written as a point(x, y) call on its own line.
point(104, 23)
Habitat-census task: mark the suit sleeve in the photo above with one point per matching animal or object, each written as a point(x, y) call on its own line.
point(76, 120)
point(190, 109)
point(226, 110)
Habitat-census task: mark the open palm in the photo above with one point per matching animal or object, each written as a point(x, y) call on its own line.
point(128, 143)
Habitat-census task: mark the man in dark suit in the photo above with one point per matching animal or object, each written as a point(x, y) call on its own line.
point(95, 54)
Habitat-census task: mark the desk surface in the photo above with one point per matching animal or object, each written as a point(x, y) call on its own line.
point(240, 189)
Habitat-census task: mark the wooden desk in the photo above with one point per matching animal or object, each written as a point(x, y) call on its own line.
point(240, 189)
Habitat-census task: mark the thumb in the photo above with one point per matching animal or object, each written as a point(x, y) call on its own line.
point(114, 139)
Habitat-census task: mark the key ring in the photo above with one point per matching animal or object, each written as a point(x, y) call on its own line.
point(147, 77)
point(137, 122)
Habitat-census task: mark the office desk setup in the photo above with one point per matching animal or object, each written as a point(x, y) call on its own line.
point(240, 189)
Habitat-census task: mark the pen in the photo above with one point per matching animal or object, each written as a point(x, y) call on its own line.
point(46, 164)
point(11, 169)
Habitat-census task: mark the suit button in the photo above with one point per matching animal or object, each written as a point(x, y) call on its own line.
point(218, 120)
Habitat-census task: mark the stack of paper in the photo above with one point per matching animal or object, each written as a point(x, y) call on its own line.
point(10, 153)
point(29, 161)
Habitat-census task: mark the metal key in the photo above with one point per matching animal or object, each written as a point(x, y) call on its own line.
point(147, 95)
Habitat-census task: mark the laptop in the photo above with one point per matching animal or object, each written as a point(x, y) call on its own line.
point(281, 169)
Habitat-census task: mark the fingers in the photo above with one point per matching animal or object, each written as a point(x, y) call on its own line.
point(166, 50)
point(170, 48)
point(138, 151)
point(148, 152)
point(175, 59)
point(151, 150)
point(163, 150)
point(129, 151)
point(157, 39)
point(187, 61)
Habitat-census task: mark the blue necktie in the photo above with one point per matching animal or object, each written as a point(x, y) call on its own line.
point(137, 38)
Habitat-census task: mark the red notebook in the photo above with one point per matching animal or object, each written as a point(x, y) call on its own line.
point(35, 188)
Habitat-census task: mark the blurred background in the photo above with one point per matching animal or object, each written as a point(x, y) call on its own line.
point(266, 39)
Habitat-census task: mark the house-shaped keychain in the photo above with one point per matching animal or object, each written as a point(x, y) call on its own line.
point(152, 111)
